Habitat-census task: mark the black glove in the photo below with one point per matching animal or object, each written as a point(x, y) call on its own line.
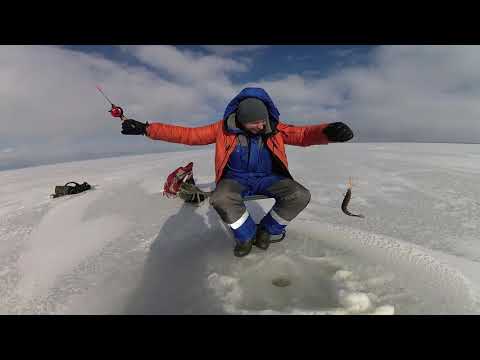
point(134, 127)
point(338, 132)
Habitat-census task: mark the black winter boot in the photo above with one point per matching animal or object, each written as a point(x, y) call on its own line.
point(262, 239)
point(244, 249)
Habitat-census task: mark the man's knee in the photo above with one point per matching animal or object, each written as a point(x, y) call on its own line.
point(304, 196)
point(229, 206)
point(290, 206)
point(226, 194)
point(300, 197)
point(218, 199)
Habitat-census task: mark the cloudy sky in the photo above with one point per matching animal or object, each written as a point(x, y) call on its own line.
point(51, 110)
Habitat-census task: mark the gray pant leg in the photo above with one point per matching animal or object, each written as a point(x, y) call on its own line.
point(227, 200)
point(291, 198)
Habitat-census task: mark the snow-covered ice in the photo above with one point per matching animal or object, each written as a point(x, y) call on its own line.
point(123, 248)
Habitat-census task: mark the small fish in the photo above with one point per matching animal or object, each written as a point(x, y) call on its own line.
point(346, 200)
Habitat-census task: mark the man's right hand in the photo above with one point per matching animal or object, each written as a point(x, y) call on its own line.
point(133, 127)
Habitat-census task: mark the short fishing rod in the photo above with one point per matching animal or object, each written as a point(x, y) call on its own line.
point(115, 111)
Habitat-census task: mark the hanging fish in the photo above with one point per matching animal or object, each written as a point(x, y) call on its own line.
point(346, 200)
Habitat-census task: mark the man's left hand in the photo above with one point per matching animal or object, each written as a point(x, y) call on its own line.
point(338, 132)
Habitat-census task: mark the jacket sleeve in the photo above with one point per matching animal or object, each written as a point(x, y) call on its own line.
point(202, 135)
point(303, 135)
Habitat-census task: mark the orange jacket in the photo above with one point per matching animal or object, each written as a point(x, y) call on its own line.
point(225, 142)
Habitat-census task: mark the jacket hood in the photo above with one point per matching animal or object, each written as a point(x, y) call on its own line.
point(258, 93)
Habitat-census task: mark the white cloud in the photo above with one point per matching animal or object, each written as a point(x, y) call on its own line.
point(50, 91)
point(49, 100)
point(185, 65)
point(425, 93)
point(48, 94)
point(208, 75)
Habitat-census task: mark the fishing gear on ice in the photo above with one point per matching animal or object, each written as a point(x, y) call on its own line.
point(182, 184)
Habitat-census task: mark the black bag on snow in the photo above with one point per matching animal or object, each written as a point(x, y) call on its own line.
point(68, 189)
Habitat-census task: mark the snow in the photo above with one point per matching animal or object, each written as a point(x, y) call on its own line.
point(123, 248)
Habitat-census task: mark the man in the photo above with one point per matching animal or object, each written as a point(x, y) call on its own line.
point(250, 159)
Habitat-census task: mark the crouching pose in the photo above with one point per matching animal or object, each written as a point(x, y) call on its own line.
point(250, 159)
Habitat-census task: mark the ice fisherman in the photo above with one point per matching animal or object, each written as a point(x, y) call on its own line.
point(250, 159)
